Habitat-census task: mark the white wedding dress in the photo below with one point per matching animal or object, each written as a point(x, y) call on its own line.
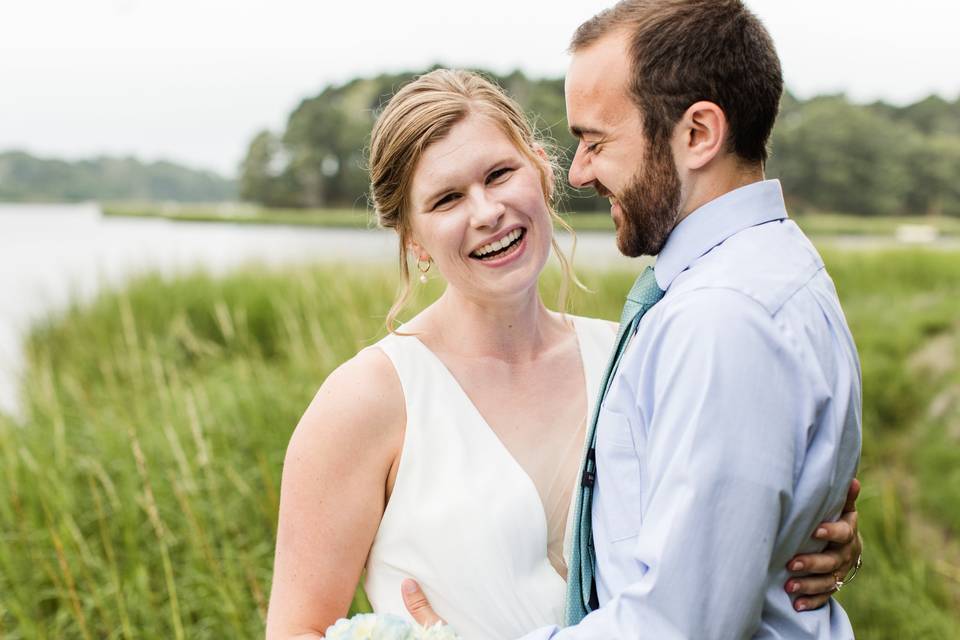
point(484, 537)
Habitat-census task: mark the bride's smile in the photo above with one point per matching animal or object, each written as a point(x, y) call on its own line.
point(506, 245)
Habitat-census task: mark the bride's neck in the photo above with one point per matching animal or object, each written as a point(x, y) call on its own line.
point(516, 329)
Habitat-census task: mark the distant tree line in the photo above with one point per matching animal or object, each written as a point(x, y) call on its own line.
point(25, 178)
point(833, 155)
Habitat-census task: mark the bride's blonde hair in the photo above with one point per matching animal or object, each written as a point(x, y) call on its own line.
point(422, 113)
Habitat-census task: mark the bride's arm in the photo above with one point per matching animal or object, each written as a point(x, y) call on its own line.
point(333, 494)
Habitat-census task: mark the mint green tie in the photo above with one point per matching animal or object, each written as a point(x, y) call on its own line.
point(643, 295)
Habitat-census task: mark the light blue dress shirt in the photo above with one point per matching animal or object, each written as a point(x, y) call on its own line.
point(730, 431)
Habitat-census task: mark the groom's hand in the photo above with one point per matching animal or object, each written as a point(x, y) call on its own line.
point(417, 604)
point(837, 559)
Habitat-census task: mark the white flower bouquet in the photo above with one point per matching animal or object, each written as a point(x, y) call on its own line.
point(373, 626)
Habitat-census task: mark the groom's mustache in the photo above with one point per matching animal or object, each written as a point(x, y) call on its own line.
point(601, 190)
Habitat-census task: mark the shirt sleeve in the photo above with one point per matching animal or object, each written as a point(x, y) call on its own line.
point(721, 402)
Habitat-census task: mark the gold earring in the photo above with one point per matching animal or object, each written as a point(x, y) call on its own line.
point(423, 270)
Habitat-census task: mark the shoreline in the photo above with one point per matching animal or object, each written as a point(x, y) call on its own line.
point(813, 224)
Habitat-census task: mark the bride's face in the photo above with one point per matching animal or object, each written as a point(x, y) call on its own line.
point(478, 210)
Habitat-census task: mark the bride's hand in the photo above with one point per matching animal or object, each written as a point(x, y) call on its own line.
point(838, 558)
point(418, 605)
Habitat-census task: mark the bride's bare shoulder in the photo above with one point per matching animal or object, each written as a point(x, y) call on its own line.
point(361, 402)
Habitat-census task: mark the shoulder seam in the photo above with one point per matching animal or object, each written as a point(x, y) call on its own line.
point(737, 292)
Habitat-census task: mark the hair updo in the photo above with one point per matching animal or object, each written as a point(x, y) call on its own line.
point(422, 113)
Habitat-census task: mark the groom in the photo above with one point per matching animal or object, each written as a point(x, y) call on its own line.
point(730, 426)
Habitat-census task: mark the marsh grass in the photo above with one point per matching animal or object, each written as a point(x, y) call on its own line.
point(141, 488)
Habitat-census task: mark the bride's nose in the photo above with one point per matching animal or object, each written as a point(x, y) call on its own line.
point(486, 211)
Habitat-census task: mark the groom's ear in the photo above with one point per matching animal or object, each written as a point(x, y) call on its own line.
point(701, 135)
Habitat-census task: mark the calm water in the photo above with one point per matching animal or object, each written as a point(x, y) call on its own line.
point(50, 254)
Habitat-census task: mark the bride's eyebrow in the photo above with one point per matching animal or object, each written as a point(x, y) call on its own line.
point(447, 181)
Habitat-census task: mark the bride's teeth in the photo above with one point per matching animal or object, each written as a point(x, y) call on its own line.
point(496, 245)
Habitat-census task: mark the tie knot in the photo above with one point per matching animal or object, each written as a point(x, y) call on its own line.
point(643, 294)
point(645, 290)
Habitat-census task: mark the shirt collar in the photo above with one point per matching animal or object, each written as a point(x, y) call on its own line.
point(714, 222)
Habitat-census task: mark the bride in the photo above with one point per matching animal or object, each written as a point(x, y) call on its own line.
point(449, 450)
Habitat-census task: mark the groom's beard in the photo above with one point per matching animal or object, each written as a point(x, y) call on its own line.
point(650, 205)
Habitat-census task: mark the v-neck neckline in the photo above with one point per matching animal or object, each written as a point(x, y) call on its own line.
point(579, 334)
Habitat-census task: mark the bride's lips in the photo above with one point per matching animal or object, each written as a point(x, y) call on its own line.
point(497, 237)
point(511, 254)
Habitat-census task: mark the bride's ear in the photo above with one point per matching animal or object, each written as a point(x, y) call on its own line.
point(417, 251)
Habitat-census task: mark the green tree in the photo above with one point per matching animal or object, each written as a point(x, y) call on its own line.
point(876, 159)
point(836, 156)
point(934, 164)
point(24, 177)
point(932, 116)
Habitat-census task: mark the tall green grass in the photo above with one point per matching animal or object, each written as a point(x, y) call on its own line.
point(900, 304)
point(140, 489)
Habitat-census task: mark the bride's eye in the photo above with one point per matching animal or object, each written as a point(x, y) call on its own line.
point(498, 174)
point(447, 199)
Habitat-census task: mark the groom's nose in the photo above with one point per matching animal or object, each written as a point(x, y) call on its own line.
point(581, 173)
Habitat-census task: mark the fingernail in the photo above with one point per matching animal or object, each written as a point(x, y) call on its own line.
point(821, 532)
point(801, 606)
point(796, 566)
point(408, 586)
point(794, 587)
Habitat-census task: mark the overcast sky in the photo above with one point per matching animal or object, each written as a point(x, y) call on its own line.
point(193, 80)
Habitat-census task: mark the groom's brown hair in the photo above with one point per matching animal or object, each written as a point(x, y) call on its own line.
point(684, 51)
